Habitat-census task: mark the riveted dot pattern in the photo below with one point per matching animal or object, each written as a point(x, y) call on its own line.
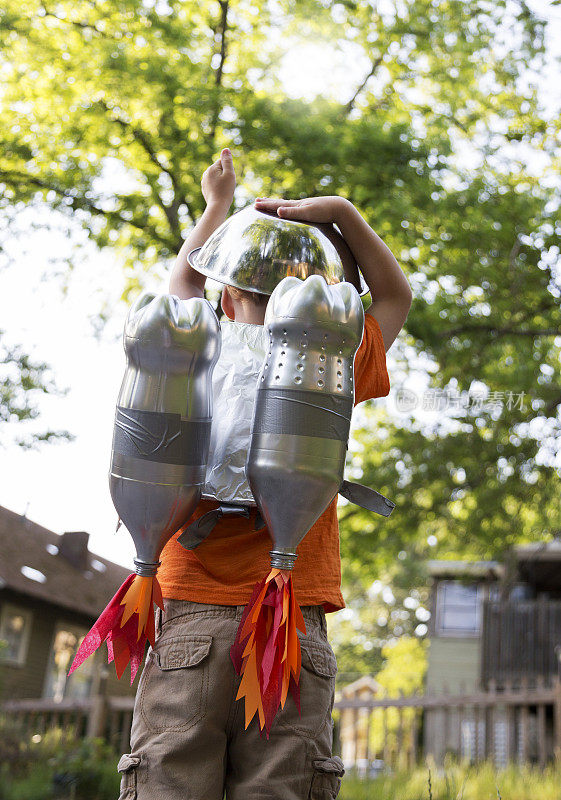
point(308, 358)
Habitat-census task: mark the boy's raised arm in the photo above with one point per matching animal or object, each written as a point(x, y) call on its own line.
point(391, 293)
point(218, 184)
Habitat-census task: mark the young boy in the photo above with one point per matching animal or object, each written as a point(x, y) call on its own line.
point(188, 738)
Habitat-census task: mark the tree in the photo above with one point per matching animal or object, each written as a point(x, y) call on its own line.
point(22, 380)
point(111, 111)
point(405, 664)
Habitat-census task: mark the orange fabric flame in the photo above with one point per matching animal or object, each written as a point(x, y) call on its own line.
point(139, 599)
point(125, 625)
point(266, 652)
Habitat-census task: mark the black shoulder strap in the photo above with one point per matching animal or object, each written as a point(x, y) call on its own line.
point(366, 498)
point(198, 530)
point(356, 493)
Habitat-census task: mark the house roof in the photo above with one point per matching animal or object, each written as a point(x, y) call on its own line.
point(30, 563)
point(539, 551)
point(539, 564)
point(362, 687)
point(471, 569)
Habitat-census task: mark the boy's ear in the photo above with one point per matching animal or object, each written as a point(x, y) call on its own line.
point(227, 304)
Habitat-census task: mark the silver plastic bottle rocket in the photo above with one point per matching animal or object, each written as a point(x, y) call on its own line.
point(303, 407)
point(163, 418)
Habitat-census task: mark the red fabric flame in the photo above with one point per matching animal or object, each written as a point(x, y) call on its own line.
point(126, 624)
point(266, 652)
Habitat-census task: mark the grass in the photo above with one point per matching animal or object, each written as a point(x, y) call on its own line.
point(86, 770)
point(457, 782)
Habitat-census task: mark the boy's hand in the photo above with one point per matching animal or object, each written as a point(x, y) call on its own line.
point(310, 209)
point(217, 184)
point(219, 181)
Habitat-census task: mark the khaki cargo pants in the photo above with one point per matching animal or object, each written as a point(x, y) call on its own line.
point(188, 740)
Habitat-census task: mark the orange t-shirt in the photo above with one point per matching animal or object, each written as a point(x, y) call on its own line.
point(225, 567)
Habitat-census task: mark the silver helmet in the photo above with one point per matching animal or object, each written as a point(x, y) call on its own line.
point(253, 250)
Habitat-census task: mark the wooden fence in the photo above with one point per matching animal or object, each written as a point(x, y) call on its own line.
point(518, 724)
point(520, 640)
point(99, 716)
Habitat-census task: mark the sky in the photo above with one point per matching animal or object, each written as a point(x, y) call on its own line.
point(64, 486)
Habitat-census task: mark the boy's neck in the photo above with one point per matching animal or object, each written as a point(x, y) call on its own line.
point(249, 314)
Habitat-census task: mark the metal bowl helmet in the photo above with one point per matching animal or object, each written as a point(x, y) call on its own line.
point(253, 250)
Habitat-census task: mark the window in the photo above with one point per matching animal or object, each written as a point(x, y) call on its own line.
point(66, 641)
point(15, 629)
point(458, 608)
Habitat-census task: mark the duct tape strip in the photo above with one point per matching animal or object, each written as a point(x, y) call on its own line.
point(162, 437)
point(302, 413)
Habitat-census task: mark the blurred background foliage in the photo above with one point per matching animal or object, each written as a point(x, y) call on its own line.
point(111, 111)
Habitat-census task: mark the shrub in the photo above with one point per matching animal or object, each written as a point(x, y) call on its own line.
point(56, 765)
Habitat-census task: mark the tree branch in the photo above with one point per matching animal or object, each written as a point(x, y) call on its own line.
point(20, 178)
point(498, 331)
point(143, 139)
point(80, 25)
point(547, 304)
point(514, 251)
point(223, 29)
point(450, 117)
point(219, 72)
point(350, 105)
point(551, 406)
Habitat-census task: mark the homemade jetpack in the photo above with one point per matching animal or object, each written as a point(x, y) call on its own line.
point(297, 439)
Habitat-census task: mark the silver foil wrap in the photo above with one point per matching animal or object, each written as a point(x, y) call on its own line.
point(234, 384)
point(163, 419)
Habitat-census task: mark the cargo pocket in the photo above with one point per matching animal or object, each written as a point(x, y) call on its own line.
point(327, 778)
point(127, 767)
point(317, 691)
point(175, 689)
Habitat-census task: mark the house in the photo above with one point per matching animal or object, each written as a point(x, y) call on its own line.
point(495, 627)
point(52, 589)
point(458, 593)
